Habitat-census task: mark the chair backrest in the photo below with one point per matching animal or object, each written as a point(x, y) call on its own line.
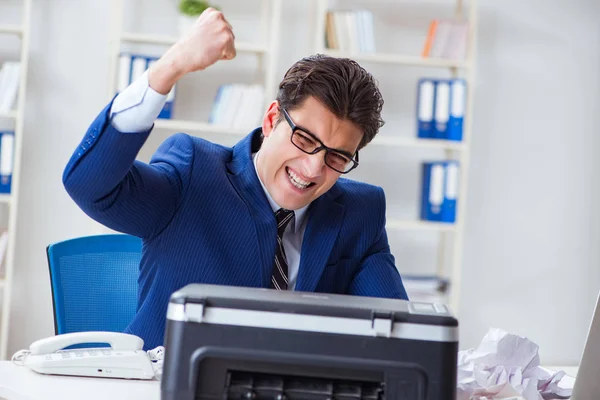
point(94, 282)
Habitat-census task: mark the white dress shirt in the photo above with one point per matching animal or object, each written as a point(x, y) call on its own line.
point(137, 107)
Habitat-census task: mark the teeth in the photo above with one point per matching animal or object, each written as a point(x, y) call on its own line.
point(296, 181)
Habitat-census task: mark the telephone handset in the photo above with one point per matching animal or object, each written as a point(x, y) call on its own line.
point(117, 341)
point(125, 358)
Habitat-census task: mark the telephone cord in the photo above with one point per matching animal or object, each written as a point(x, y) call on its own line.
point(156, 356)
point(20, 356)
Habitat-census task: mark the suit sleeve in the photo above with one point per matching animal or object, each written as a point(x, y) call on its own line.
point(112, 187)
point(377, 275)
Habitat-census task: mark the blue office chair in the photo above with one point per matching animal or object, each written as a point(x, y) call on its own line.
point(94, 282)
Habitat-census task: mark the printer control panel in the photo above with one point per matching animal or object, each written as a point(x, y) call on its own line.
point(428, 309)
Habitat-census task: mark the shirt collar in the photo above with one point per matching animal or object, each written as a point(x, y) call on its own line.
point(299, 214)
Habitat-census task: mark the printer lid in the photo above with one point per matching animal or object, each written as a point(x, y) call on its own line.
point(316, 304)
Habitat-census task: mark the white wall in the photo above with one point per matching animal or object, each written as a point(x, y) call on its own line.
point(532, 259)
point(64, 94)
point(530, 264)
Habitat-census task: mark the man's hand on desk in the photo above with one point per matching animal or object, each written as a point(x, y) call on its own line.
point(211, 39)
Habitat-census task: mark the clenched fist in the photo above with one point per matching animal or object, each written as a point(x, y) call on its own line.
point(209, 40)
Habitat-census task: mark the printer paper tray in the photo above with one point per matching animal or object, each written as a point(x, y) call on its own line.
point(263, 374)
point(259, 386)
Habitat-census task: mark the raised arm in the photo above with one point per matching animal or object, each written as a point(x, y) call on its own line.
point(104, 178)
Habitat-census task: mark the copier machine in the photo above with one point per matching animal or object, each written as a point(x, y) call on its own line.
point(225, 342)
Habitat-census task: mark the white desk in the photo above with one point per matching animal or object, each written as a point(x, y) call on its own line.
point(20, 383)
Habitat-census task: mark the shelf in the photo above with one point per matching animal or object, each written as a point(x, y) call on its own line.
point(390, 58)
point(170, 40)
point(11, 29)
point(382, 140)
point(11, 114)
point(388, 140)
point(202, 127)
point(420, 225)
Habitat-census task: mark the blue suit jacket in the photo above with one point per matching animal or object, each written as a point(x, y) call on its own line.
point(204, 217)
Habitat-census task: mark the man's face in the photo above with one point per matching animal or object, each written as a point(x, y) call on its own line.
point(292, 177)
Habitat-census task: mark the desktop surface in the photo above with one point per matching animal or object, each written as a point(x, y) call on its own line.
point(21, 383)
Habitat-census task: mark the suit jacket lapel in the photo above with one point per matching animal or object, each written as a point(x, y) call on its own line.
point(245, 181)
point(324, 223)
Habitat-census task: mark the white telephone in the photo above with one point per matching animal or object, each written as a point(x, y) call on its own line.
point(124, 359)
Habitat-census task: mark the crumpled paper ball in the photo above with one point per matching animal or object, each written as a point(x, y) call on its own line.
point(506, 366)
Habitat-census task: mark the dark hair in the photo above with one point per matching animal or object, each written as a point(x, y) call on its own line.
point(341, 85)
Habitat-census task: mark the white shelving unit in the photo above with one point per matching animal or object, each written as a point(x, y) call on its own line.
point(8, 115)
point(11, 29)
point(170, 40)
point(11, 200)
point(266, 51)
point(452, 149)
point(398, 59)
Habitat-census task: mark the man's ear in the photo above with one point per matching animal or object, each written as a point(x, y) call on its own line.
point(270, 118)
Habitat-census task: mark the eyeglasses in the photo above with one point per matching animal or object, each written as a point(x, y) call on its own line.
point(338, 160)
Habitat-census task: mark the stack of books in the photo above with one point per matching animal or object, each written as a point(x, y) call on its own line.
point(350, 31)
point(426, 288)
point(439, 191)
point(441, 108)
point(446, 39)
point(238, 106)
point(9, 85)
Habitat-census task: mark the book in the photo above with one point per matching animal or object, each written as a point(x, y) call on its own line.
point(439, 191)
point(425, 104)
point(10, 75)
point(7, 148)
point(450, 192)
point(350, 30)
point(458, 95)
point(442, 109)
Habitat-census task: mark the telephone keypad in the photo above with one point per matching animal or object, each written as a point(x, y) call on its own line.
point(69, 354)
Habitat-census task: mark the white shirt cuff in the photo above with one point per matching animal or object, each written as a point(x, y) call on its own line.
point(137, 107)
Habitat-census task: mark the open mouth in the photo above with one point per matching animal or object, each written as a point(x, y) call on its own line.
point(297, 181)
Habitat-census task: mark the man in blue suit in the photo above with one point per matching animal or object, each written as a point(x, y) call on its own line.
point(270, 212)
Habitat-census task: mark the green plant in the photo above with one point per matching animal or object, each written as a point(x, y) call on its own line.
point(193, 8)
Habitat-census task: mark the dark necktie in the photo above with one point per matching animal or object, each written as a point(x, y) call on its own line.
point(279, 279)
